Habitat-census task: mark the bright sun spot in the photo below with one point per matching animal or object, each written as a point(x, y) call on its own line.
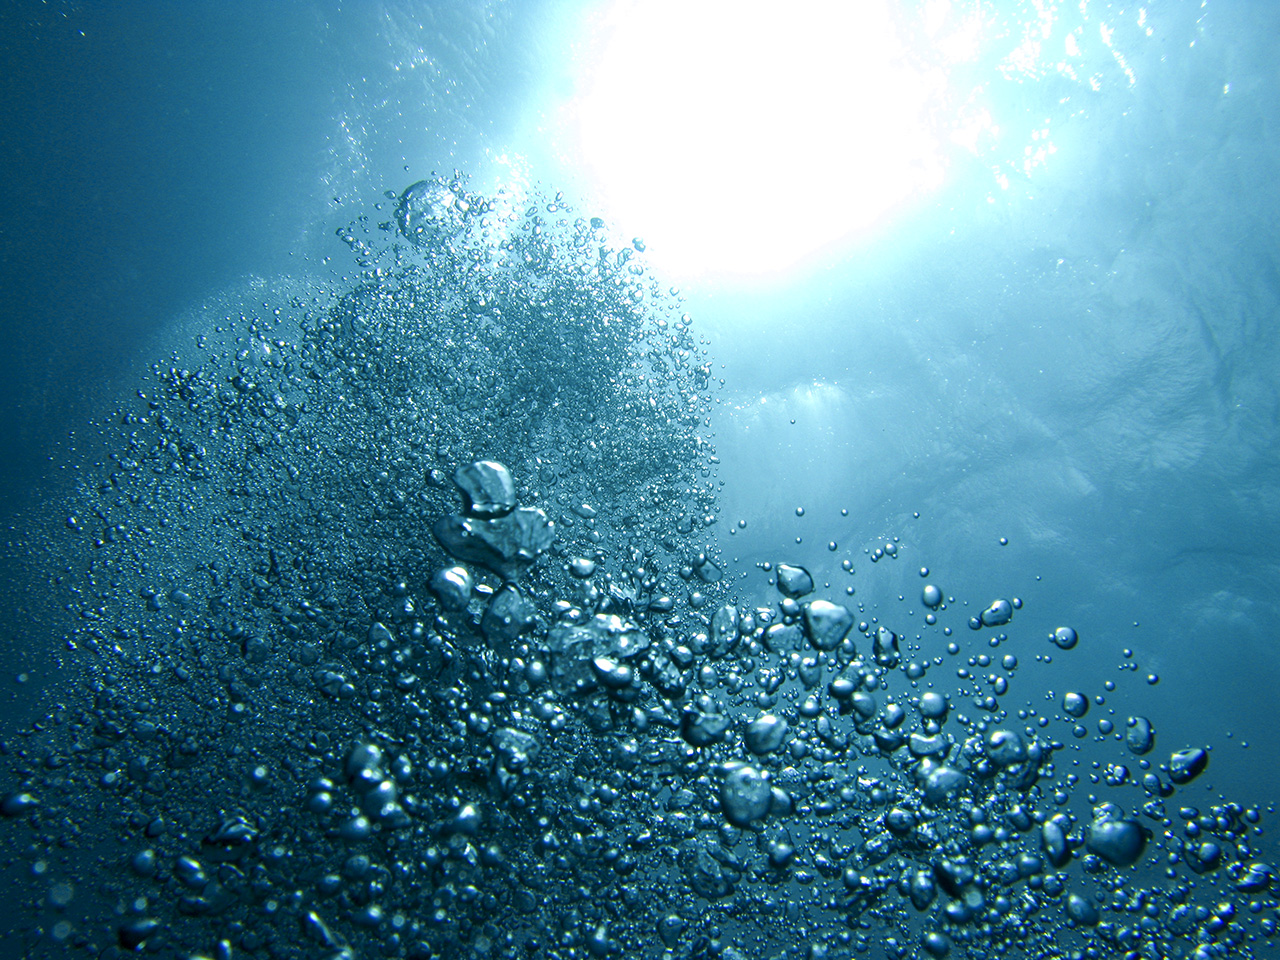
point(740, 138)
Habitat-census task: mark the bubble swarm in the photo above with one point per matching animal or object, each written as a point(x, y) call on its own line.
point(397, 627)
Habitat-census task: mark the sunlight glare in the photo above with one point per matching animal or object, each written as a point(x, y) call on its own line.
point(739, 140)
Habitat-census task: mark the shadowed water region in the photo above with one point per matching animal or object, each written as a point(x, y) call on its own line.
point(395, 622)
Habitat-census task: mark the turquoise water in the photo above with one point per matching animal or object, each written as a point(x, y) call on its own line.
point(283, 682)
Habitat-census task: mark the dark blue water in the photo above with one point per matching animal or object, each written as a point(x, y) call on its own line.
point(243, 716)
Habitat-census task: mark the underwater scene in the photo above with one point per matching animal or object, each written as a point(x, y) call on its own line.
point(696, 480)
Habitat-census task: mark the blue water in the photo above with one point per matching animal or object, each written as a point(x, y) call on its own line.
point(1061, 386)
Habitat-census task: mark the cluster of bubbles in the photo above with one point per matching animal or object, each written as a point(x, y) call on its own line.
point(397, 627)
